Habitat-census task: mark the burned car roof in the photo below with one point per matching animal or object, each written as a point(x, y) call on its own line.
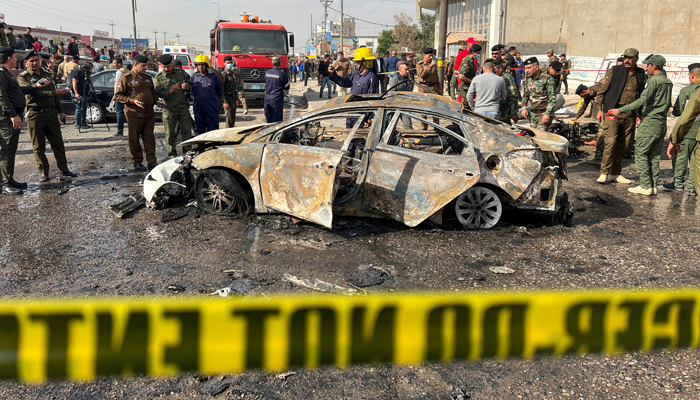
point(397, 99)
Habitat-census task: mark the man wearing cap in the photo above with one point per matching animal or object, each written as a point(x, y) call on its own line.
point(427, 76)
point(240, 89)
point(554, 71)
point(538, 93)
point(497, 57)
point(688, 143)
point(689, 120)
point(587, 95)
point(508, 108)
point(173, 86)
point(207, 89)
point(43, 109)
point(276, 82)
point(622, 85)
point(458, 61)
point(655, 100)
point(467, 72)
point(551, 57)
point(12, 103)
point(137, 92)
point(231, 85)
point(565, 67)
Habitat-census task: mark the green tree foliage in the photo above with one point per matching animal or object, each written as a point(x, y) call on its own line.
point(427, 30)
point(386, 41)
point(406, 33)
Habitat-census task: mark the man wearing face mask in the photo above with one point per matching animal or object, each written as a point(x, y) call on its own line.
point(230, 92)
point(342, 67)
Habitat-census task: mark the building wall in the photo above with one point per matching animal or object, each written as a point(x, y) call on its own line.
point(596, 28)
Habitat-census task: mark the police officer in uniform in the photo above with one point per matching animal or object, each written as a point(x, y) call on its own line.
point(276, 82)
point(230, 92)
point(622, 85)
point(685, 125)
point(655, 101)
point(43, 109)
point(566, 66)
point(240, 89)
point(12, 105)
point(136, 91)
point(173, 86)
point(467, 72)
point(538, 93)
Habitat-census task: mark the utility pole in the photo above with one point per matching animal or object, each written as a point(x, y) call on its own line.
point(133, 13)
point(164, 39)
point(442, 43)
point(178, 38)
point(342, 28)
point(155, 35)
point(325, 3)
point(112, 25)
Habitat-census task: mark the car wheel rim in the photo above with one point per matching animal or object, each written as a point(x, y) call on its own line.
point(478, 208)
point(216, 199)
point(93, 114)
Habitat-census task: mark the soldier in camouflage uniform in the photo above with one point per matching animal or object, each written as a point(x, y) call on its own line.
point(551, 56)
point(509, 106)
point(555, 72)
point(173, 86)
point(538, 91)
point(240, 89)
point(467, 72)
point(566, 66)
point(230, 92)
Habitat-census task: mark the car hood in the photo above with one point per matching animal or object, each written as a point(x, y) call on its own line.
point(547, 141)
point(228, 135)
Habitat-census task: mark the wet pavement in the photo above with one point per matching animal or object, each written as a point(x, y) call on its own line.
point(71, 245)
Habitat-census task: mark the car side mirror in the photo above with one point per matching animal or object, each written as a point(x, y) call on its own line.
point(212, 45)
point(211, 35)
point(291, 40)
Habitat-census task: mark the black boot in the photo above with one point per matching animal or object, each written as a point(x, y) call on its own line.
point(9, 189)
point(18, 185)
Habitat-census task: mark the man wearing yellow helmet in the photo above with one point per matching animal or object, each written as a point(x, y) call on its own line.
point(207, 89)
point(363, 81)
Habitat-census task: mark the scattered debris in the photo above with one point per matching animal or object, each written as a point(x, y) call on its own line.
point(122, 170)
point(232, 271)
point(319, 286)
point(215, 388)
point(108, 177)
point(176, 288)
point(601, 200)
point(368, 275)
point(502, 270)
point(63, 191)
point(132, 203)
point(521, 230)
point(223, 292)
point(458, 394)
point(284, 375)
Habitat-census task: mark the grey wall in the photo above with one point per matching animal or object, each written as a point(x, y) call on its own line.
point(595, 28)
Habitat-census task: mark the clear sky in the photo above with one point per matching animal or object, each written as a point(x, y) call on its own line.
point(193, 19)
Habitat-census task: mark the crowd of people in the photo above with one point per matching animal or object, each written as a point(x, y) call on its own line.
point(633, 102)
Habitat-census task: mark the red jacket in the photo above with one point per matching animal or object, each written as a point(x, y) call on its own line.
point(93, 53)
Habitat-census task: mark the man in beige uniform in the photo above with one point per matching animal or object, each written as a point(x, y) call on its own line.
point(426, 74)
point(137, 92)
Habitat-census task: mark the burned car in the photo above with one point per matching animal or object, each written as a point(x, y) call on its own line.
point(405, 156)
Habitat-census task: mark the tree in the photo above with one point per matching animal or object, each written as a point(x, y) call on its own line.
point(406, 33)
point(427, 30)
point(386, 41)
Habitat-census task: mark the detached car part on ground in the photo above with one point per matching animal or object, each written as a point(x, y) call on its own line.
point(356, 157)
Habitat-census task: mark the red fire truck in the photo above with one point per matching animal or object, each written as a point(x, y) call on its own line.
point(252, 43)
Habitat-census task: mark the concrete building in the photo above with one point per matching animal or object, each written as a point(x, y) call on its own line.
point(576, 27)
point(368, 41)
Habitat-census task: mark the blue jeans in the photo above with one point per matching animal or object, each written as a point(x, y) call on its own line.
point(301, 75)
point(492, 114)
point(120, 116)
point(80, 111)
point(325, 82)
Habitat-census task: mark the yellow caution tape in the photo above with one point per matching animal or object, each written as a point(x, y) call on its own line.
point(82, 339)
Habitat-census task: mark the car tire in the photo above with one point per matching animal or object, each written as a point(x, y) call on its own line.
point(95, 114)
point(219, 192)
point(478, 208)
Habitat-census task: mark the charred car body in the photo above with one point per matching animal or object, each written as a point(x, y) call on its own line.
point(367, 156)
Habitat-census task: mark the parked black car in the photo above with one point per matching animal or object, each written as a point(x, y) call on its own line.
point(103, 82)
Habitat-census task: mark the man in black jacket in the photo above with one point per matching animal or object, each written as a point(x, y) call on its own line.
point(28, 39)
point(622, 85)
point(73, 47)
point(380, 69)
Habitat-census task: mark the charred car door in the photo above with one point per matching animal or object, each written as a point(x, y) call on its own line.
point(408, 183)
point(298, 174)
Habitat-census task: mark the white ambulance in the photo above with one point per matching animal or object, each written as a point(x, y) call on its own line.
point(185, 54)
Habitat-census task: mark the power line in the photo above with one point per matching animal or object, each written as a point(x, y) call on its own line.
point(360, 19)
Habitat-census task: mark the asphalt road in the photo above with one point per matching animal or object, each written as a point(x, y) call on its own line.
point(71, 245)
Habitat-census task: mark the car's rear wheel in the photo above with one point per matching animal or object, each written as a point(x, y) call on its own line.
point(95, 114)
point(220, 192)
point(478, 208)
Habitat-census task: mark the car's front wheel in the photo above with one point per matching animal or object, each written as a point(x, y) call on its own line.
point(478, 208)
point(220, 192)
